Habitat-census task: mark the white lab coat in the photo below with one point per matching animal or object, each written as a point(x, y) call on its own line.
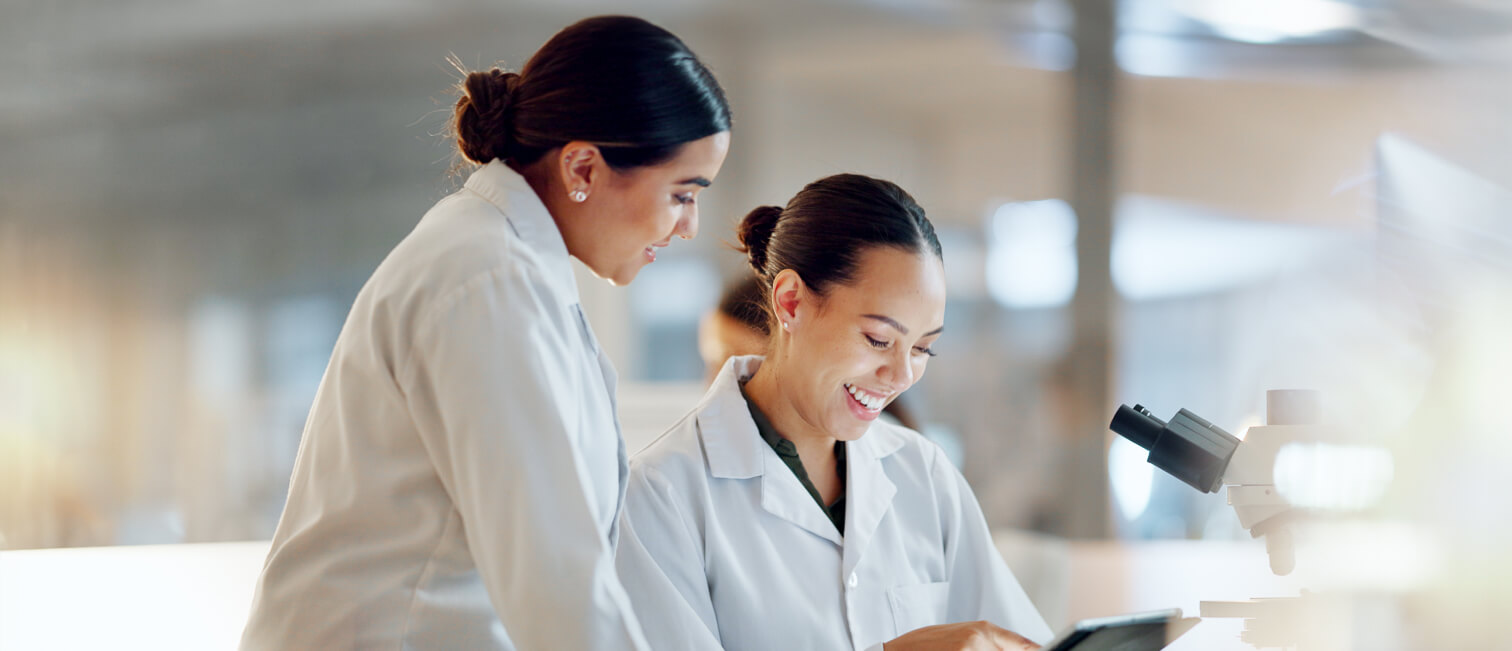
point(722, 547)
point(461, 472)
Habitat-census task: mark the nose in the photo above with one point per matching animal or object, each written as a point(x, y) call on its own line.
point(687, 228)
point(898, 372)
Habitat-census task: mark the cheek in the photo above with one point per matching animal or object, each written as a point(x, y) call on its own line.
point(640, 218)
point(831, 358)
point(815, 359)
point(847, 360)
point(659, 214)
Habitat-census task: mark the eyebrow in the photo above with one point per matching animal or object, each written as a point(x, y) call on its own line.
point(697, 180)
point(899, 327)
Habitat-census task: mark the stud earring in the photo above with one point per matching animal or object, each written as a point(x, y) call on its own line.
point(785, 326)
point(578, 196)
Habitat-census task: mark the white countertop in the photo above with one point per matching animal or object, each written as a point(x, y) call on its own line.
point(196, 597)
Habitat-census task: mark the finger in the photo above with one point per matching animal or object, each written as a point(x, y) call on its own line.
point(1010, 641)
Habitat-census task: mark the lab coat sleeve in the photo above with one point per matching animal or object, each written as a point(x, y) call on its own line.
point(661, 563)
point(981, 585)
point(493, 382)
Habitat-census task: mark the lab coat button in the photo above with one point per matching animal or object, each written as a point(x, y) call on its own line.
point(852, 580)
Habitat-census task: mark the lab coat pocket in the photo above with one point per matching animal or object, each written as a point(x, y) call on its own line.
point(917, 606)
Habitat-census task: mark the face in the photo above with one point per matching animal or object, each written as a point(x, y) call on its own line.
point(848, 354)
point(628, 216)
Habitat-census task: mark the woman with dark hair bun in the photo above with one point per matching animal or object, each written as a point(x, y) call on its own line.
point(459, 481)
point(782, 513)
point(738, 326)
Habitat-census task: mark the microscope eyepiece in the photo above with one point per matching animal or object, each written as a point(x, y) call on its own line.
point(1138, 425)
point(1188, 447)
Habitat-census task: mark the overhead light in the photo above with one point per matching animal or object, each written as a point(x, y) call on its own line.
point(1031, 254)
point(1164, 248)
point(1271, 21)
point(1159, 56)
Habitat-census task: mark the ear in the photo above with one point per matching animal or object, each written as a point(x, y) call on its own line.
point(788, 292)
point(579, 163)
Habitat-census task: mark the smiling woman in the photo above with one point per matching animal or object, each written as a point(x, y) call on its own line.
point(782, 514)
point(620, 178)
point(458, 482)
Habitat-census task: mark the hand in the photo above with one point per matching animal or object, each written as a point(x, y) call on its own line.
point(966, 636)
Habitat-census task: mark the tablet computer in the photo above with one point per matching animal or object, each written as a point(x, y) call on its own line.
point(1149, 631)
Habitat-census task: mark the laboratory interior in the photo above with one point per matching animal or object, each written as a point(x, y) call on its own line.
point(1229, 284)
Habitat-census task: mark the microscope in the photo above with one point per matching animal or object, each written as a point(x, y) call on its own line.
point(1206, 458)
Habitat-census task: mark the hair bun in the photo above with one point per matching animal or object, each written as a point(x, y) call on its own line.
point(485, 117)
point(755, 232)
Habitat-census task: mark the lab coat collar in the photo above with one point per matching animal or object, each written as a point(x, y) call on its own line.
point(503, 187)
point(729, 435)
point(736, 451)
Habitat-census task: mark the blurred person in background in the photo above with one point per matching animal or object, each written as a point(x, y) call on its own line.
point(460, 477)
point(781, 513)
point(737, 326)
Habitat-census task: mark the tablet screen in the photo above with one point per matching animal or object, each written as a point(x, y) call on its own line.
point(1138, 632)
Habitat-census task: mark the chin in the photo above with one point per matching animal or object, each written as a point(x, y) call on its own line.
point(619, 277)
point(849, 429)
point(854, 435)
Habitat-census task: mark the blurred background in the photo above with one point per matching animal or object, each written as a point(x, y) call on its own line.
point(1181, 203)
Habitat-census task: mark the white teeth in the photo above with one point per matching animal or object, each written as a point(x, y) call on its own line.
point(867, 400)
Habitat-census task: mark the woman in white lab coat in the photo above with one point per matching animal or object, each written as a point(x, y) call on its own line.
point(461, 473)
point(780, 513)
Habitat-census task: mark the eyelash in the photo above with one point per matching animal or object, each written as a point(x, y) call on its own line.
point(883, 345)
point(684, 199)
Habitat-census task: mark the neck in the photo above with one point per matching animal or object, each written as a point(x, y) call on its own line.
point(816, 448)
point(550, 191)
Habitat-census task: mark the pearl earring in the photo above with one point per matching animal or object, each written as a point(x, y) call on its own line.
point(579, 196)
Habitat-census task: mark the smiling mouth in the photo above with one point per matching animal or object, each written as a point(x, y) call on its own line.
point(650, 251)
point(868, 400)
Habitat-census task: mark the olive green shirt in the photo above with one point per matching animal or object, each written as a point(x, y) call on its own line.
point(789, 454)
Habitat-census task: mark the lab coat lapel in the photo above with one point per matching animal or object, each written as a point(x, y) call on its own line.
point(611, 385)
point(868, 492)
point(784, 496)
point(735, 451)
point(606, 366)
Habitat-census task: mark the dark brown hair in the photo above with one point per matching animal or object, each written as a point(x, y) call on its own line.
point(619, 82)
point(827, 225)
point(745, 302)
